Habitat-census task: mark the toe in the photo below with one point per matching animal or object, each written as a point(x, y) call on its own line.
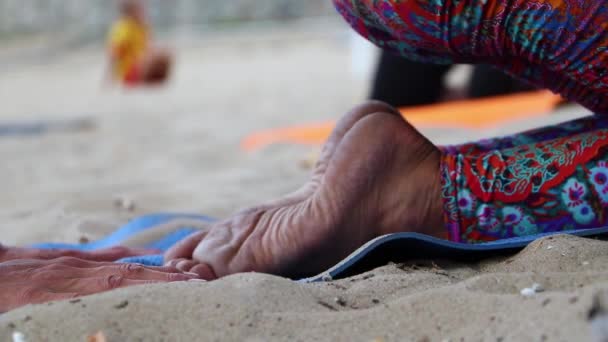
point(173, 263)
point(186, 265)
point(204, 271)
point(185, 248)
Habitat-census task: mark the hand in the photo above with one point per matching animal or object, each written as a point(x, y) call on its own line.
point(25, 282)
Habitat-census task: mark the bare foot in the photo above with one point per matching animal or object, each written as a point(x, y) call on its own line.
point(377, 175)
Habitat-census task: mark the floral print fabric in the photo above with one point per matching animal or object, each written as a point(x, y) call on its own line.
point(546, 180)
point(557, 44)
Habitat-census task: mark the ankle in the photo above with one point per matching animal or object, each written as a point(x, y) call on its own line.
point(433, 221)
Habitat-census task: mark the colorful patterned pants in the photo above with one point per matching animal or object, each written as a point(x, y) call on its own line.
point(557, 44)
point(546, 180)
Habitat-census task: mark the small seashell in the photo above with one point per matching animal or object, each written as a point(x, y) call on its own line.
point(124, 203)
point(99, 337)
point(549, 247)
point(528, 292)
point(340, 301)
point(18, 337)
point(197, 281)
point(327, 277)
point(586, 263)
point(310, 160)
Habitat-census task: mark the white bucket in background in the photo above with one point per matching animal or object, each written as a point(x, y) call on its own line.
point(364, 57)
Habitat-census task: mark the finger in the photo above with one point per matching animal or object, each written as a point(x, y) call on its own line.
point(19, 265)
point(185, 248)
point(79, 269)
point(205, 271)
point(70, 261)
point(185, 265)
point(62, 266)
point(50, 271)
point(138, 272)
point(166, 269)
point(116, 253)
point(81, 263)
point(15, 253)
point(43, 254)
point(109, 254)
point(173, 263)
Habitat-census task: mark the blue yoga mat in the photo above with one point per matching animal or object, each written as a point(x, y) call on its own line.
point(394, 247)
point(44, 126)
point(413, 246)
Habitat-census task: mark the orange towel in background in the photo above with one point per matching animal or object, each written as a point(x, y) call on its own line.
point(466, 114)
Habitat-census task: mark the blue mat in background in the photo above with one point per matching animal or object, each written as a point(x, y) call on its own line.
point(23, 129)
point(394, 247)
point(39, 127)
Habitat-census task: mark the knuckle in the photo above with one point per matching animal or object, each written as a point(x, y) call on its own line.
point(173, 264)
point(52, 268)
point(112, 282)
point(65, 260)
point(28, 294)
point(74, 295)
point(17, 269)
point(43, 275)
point(180, 261)
point(130, 269)
point(176, 277)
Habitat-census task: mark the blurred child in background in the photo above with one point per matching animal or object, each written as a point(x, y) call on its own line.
point(133, 59)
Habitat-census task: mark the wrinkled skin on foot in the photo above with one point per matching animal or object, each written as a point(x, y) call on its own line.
point(376, 175)
point(32, 276)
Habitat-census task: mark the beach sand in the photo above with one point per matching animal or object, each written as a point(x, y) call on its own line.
point(177, 149)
